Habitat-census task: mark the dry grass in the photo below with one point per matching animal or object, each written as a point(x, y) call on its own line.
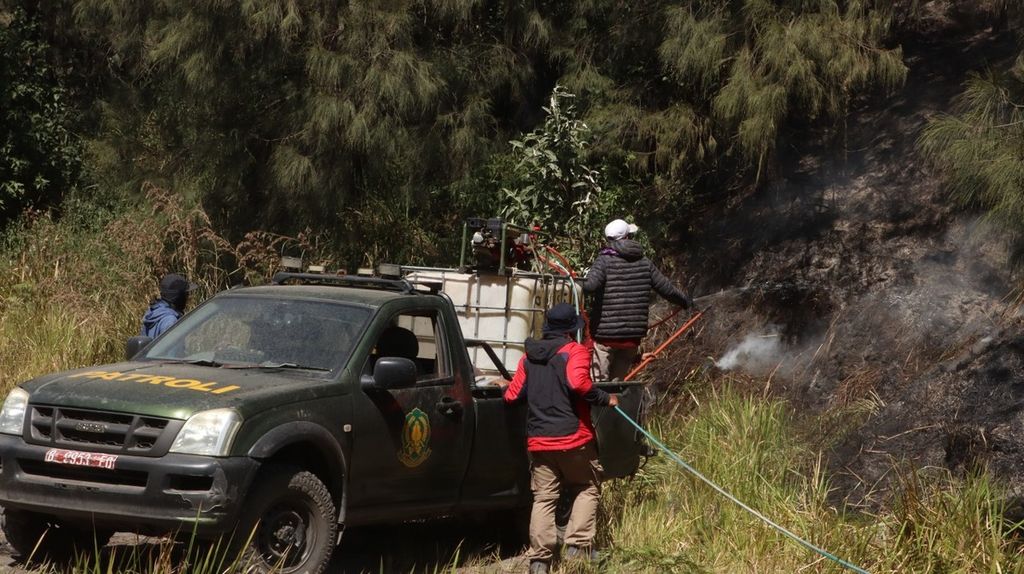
point(72, 291)
point(665, 520)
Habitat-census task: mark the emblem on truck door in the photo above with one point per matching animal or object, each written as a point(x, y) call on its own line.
point(415, 439)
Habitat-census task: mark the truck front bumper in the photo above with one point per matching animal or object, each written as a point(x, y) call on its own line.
point(172, 493)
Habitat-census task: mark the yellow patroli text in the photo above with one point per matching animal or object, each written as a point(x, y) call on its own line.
point(173, 382)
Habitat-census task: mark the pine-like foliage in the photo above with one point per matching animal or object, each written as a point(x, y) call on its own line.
point(40, 159)
point(285, 109)
point(285, 112)
point(758, 64)
point(981, 147)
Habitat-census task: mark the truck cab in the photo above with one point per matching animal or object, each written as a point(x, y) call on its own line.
point(274, 416)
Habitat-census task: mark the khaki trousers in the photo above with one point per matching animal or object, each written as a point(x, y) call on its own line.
point(611, 363)
point(578, 473)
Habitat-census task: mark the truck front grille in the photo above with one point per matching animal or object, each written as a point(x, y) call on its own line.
point(100, 431)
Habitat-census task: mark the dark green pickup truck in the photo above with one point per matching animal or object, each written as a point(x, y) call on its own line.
point(285, 411)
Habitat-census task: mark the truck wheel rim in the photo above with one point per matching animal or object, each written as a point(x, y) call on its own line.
point(286, 534)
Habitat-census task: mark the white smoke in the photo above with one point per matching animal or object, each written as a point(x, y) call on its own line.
point(756, 353)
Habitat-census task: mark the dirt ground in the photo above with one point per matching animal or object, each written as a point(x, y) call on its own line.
point(370, 550)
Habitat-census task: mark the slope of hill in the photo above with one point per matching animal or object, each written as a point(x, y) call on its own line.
point(855, 287)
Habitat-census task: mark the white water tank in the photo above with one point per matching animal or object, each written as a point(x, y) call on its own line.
point(501, 310)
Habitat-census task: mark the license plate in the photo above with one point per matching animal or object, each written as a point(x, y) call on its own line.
point(79, 458)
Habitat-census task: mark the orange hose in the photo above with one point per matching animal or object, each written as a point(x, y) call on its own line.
point(551, 264)
point(661, 348)
point(562, 259)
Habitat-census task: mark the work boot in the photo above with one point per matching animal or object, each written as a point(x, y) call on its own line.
point(538, 567)
point(585, 553)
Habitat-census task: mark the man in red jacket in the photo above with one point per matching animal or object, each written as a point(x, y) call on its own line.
point(553, 378)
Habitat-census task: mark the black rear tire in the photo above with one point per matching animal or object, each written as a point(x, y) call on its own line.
point(289, 524)
point(39, 537)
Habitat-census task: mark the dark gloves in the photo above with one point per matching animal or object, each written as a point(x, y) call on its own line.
point(686, 302)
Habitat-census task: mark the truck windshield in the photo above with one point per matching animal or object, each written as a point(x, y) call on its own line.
point(259, 332)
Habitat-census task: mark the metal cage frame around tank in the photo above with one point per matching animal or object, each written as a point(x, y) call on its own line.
point(548, 289)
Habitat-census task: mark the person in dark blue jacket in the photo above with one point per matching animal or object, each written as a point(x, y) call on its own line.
point(166, 310)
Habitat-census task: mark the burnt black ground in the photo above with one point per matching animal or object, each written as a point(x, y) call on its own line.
point(883, 296)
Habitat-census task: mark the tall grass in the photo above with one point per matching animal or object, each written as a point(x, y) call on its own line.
point(68, 297)
point(72, 290)
point(666, 520)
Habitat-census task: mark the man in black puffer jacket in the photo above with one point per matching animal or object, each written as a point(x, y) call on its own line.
point(620, 281)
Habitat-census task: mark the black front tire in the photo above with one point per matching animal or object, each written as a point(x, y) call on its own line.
point(39, 537)
point(289, 525)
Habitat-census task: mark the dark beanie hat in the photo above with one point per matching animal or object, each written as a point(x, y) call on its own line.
point(562, 318)
point(174, 289)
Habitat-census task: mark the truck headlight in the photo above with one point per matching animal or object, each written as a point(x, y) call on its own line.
point(208, 433)
point(12, 415)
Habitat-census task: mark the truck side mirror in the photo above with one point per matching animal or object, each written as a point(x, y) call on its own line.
point(136, 344)
point(391, 373)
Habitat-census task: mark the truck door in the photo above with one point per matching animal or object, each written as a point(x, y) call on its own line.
point(411, 445)
point(619, 444)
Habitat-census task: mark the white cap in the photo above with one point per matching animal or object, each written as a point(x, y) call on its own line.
point(619, 229)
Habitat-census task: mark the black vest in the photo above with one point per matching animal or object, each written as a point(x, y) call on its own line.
point(552, 412)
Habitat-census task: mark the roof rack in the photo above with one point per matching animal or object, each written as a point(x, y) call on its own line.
point(400, 285)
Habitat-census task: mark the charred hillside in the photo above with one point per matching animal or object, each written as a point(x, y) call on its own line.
point(856, 289)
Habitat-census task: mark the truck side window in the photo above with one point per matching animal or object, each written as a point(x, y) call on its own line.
point(417, 336)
